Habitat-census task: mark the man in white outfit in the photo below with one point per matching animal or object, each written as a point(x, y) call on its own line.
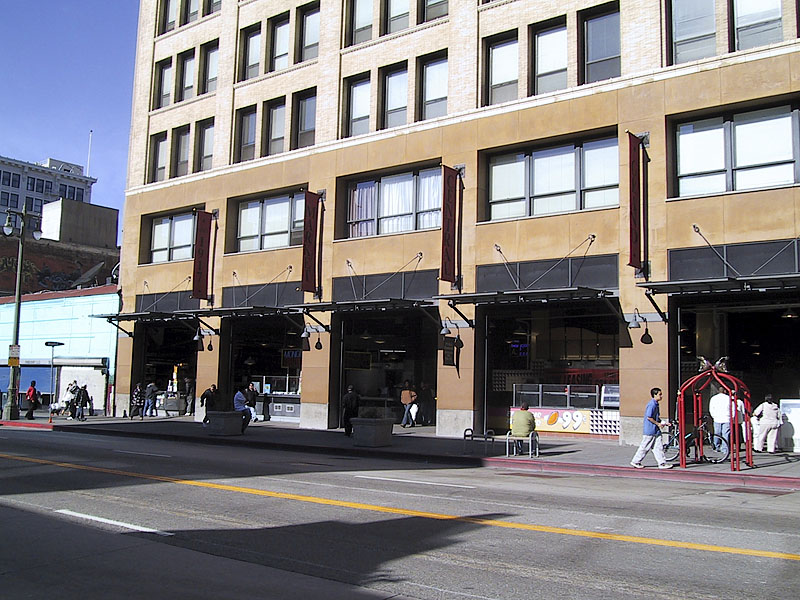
point(719, 407)
point(768, 424)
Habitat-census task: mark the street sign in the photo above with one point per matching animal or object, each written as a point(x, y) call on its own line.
point(13, 355)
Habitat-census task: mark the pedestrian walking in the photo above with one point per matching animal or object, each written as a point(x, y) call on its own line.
point(651, 433)
point(137, 401)
point(189, 382)
point(768, 423)
point(32, 396)
point(81, 403)
point(408, 397)
point(150, 393)
point(209, 399)
point(350, 402)
point(240, 405)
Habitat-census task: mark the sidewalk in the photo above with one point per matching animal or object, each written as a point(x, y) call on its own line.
point(577, 455)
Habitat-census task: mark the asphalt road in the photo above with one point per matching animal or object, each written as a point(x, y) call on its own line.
point(94, 517)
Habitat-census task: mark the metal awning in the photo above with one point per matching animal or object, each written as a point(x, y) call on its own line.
point(526, 296)
point(748, 283)
point(139, 316)
point(381, 304)
point(238, 311)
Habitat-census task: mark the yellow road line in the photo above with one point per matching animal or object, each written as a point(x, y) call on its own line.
point(417, 513)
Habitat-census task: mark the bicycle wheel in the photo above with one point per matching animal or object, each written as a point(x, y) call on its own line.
point(715, 448)
point(672, 448)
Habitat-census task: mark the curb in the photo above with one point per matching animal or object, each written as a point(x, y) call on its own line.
point(26, 425)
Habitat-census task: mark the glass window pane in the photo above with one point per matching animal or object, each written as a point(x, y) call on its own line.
point(182, 230)
point(602, 37)
point(308, 113)
point(213, 62)
point(359, 100)
point(504, 62)
point(182, 253)
point(160, 233)
point(395, 224)
point(436, 80)
point(763, 136)
point(553, 170)
point(363, 13)
point(507, 210)
point(247, 244)
point(601, 163)
point(551, 50)
point(764, 177)
point(701, 146)
point(396, 90)
point(275, 240)
point(551, 82)
point(599, 198)
point(160, 256)
point(311, 29)
point(703, 184)
point(554, 204)
point(761, 34)
point(692, 18)
point(276, 215)
point(396, 195)
point(506, 177)
point(249, 218)
point(430, 189)
point(695, 49)
point(756, 11)
point(281, 49)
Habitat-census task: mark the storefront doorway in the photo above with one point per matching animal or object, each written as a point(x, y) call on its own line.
point(169, 358)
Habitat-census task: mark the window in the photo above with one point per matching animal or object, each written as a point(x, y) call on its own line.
point(15, 180)
point(251, 48)
point(305, 116)
point(48, 187)
point(275, 222)
point(503, 69)
point(158, 157)
point(210, 56)
point(396, 15)
point(246, 134)
point(180, 151)
point(360, 21)
point(30, 183)
point(693, 30)
point(279, 55)
point(62, 190)
point(757, 23)
point(40, 186)
point(168, 16)
point(79, 194)
point(737, 152)
point(9, 200)
point(6, 178)
point(358, 102)
point(395, 203)
point(33, 204)
point(395, 97)
point(601, 59)
point(550, 60)
point(71, 190)
point(433, 9)
point(211, 6)
point(204, 153)
point(186, 76)
point(309, 35)
point(173, 238)
point(163, 83)
point(190, 11)
point(434, 88)
point(276, 126)
point(557, 179)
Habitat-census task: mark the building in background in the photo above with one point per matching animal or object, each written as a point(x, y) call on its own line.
point(88, 353)
point(570, 231)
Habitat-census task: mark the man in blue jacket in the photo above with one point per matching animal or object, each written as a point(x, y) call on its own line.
point(240, 405)
point(651, 438)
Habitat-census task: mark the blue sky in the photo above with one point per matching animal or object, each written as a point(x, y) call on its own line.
point(66, 67)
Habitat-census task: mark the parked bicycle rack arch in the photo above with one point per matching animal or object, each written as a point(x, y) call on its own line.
point(734, 388)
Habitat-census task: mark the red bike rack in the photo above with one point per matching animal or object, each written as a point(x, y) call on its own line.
point(734, 388)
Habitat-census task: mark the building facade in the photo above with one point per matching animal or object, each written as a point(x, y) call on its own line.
point(35, 184)
point(589, 137)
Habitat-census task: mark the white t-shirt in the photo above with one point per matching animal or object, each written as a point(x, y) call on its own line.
point(720, 408)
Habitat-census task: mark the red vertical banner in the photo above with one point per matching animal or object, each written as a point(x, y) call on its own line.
point(447, 272)
point(635, 201)
point(310, 230)
point(202, 250)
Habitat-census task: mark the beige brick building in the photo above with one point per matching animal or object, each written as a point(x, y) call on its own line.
point(241, 106)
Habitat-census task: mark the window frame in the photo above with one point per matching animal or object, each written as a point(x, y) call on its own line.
point(164, 84)
point(386, 113)
point(171, 246)
point(181, 151)
point(491, 89)
point(540, 29)
point(672, 33)
point(529, 198)
point(158, 151)
point(426, 104)
point(357, 124)
point(736, 29)
point(398, 22)
point(298, 113)
point(358, 35)
point(294, 223)
point(245, 149)
point(275, 23)
point(211, 6)
point(187, 14)
point(308, 50)
point(201, 159)
point(586, 17)
point(209, 55)
point(375, 219)
point(168, 9)
point(430, 10)
point(730, 169)
point(186, 67)
point(248, 68)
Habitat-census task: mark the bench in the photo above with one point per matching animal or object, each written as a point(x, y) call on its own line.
point(486, 438)
point(223, 422)
point(533, 443)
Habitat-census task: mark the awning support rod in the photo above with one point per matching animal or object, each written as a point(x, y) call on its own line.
point(128, 333)
point(649, 295)
point(316, 320)
point(470, 322)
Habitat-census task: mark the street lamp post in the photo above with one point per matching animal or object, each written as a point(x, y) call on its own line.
point(11, 407)
point(53, 386)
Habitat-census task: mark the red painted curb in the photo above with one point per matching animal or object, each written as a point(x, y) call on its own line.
point(27, 425)
point(742, 478)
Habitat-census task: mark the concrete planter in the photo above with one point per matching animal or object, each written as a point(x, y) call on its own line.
point(224, 422)
point(372, 433)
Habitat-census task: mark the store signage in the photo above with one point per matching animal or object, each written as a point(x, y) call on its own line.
point(291, 358)
point(447, 272)
point(13, 355)
point(635, 201)
point(310, 221)
point(202, 250)
point(449, 352)
point(561, 420)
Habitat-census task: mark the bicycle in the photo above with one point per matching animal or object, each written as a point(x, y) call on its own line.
point(715, 448)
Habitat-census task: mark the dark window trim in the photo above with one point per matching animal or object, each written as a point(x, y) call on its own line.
point(350, 83)
point(383, 74)
point(488, 44)
point(584, 16)
point(267, 140)
point(294, 228)
point(240, 114)
point(534, 30)
point(272, 25)
point(298, 99)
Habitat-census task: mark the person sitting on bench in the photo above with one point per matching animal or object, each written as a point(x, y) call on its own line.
point(523, 424)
